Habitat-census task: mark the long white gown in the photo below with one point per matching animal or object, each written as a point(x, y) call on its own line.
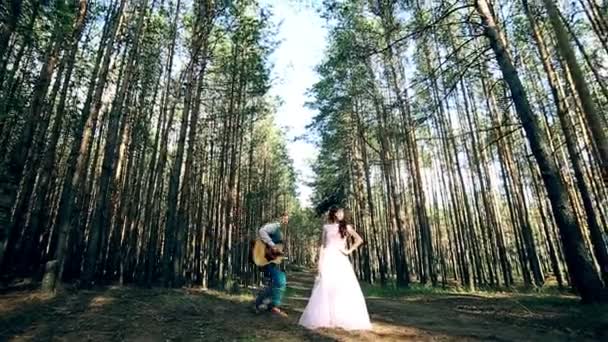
point(336, 300)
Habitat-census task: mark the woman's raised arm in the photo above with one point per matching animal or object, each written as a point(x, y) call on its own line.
point(358, 240)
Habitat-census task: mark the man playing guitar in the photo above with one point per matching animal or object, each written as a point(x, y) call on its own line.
point(275, 278)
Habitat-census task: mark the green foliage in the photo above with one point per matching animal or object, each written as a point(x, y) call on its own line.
point(343, 88)
point(306, 224)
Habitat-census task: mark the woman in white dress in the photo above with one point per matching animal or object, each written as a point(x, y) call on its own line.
point(336, 300)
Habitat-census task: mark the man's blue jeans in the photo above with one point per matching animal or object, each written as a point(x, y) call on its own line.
point(276, 282)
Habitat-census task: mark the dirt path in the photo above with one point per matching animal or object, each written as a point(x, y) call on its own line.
point(132, 314)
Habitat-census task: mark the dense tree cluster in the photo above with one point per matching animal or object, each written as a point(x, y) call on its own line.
point(138, 142)
point(469, 139)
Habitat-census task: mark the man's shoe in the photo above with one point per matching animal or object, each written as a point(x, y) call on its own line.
point(258, 309)
point(279, 312)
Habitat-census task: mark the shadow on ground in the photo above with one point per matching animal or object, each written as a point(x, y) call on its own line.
point(134, 314)
point(458, 317)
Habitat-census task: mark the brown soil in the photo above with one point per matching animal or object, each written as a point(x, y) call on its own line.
point(134, 314)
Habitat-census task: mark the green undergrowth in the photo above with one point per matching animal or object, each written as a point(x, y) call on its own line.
point(391, 290)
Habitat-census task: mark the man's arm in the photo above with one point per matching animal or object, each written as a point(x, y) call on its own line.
point(265, 232)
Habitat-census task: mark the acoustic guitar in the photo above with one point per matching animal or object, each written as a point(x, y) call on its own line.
point(262, 254)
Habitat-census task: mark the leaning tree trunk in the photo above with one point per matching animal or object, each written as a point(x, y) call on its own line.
point(101, 216)
point(400, 244)
point(585, 279)
point(76, 164)
point(11, 171)
point(13, 8)
point(427, 270)
point(559, 97)
point(596, 124)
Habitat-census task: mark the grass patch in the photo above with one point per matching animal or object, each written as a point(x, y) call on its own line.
point(289, 292)
point(549, 294)
point(393, 291)
point(295, 268)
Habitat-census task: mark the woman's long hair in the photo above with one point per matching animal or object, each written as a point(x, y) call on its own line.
point(342, 228)
point(332, 218)
point(332, 215)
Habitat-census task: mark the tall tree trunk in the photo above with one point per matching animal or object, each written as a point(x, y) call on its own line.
point(422, 221)
point(48, 159)
point(102, 210)
point(580, 264)
point(596, 124)
point(83, 137)
point(559, 97)
point(11, 169)
point(13, 8)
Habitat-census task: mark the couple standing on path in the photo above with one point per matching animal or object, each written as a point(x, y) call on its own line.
point(336, 300)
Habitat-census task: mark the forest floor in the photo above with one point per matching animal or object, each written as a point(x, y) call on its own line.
point(135, 314)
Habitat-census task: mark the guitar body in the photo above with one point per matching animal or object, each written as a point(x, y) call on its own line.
point(262, 255)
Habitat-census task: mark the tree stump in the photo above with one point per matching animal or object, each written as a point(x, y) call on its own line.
point(50, 276)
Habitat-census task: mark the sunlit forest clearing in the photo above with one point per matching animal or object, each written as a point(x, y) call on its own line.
point(141, 151)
